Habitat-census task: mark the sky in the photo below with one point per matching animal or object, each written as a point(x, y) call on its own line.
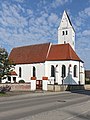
point(27, 22)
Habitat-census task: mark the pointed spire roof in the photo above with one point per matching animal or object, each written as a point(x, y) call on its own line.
point(67, 16)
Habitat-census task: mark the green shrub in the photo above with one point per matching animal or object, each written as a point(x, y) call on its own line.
point(21, 81)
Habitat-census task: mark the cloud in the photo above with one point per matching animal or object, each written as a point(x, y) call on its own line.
point(52, 18)
point(85, 13)
point(86, 33)
point(20, 26)
point(57, 3)
point(20, 1)
point(82, 27)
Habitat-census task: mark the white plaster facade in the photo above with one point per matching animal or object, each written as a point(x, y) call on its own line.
point(69, 79)
point(44, 69)
point(66, 33)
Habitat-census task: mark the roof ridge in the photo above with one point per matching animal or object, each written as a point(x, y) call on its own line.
point(31, 45)
point(60, 44)
point(69, 50)
point(48, 50)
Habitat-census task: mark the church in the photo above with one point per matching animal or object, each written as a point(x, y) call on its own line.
point(47, 63)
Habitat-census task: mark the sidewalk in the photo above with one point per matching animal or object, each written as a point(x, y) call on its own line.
point(31, 94)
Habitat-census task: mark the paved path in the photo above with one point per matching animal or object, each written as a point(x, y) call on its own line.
point(46, 106)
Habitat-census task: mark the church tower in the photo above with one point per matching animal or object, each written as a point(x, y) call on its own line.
point(66, 32)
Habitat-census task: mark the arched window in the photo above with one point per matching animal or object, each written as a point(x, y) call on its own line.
point(20, 72)
point(63, 71)
point(52, 71)
point(66, 32)
point(62, 32)
point(75, 70)
point(34, 71)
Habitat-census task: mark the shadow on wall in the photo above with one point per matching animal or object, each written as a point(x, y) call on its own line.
point(69, 80)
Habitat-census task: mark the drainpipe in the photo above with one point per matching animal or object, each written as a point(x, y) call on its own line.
point(79, 72)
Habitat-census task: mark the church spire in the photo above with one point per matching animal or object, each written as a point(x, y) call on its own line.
point(66, 32)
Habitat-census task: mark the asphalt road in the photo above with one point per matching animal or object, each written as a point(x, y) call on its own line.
point(47, 106)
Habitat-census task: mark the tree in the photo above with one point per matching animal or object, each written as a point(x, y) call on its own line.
point(5, 65)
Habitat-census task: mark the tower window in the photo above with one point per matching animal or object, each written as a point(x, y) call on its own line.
point(66, 32)
point(62, 32)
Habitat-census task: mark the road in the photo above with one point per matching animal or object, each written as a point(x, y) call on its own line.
point(45, 106)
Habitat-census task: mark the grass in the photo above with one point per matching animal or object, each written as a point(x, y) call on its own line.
point(2, 94)
point(14, 93)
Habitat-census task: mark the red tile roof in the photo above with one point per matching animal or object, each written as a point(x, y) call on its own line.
point(29, 54)
point(42, 52)
point(12, 73)
point(62, 52)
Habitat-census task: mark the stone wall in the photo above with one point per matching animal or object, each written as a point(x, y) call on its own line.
point(27, 87)
point(87, 87)
point(58, 88)
point(19, 87)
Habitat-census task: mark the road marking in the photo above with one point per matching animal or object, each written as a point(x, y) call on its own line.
point(78, 115)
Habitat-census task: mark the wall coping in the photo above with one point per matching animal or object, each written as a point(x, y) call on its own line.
point(44, 78)
point(33, 78)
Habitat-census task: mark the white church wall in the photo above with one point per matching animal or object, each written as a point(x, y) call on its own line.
point(82, 73)
point(27, 71)
point(74, 80)
point(69, 79)
point(58, 71)
point(40, 70)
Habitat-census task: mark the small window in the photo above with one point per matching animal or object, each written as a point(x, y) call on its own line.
point(20, 71)
point(62, 32)
point(52, 71)
point(34, 71)
point(66, 32)
point(75, 70)
point(9, 78)
point(63, 71)
point(64, 42)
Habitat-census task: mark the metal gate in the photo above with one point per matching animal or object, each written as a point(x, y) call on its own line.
point(39, 84)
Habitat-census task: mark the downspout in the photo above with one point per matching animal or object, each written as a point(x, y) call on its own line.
point(79, 72)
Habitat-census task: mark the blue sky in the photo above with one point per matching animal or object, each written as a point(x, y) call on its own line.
point(26, 22)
